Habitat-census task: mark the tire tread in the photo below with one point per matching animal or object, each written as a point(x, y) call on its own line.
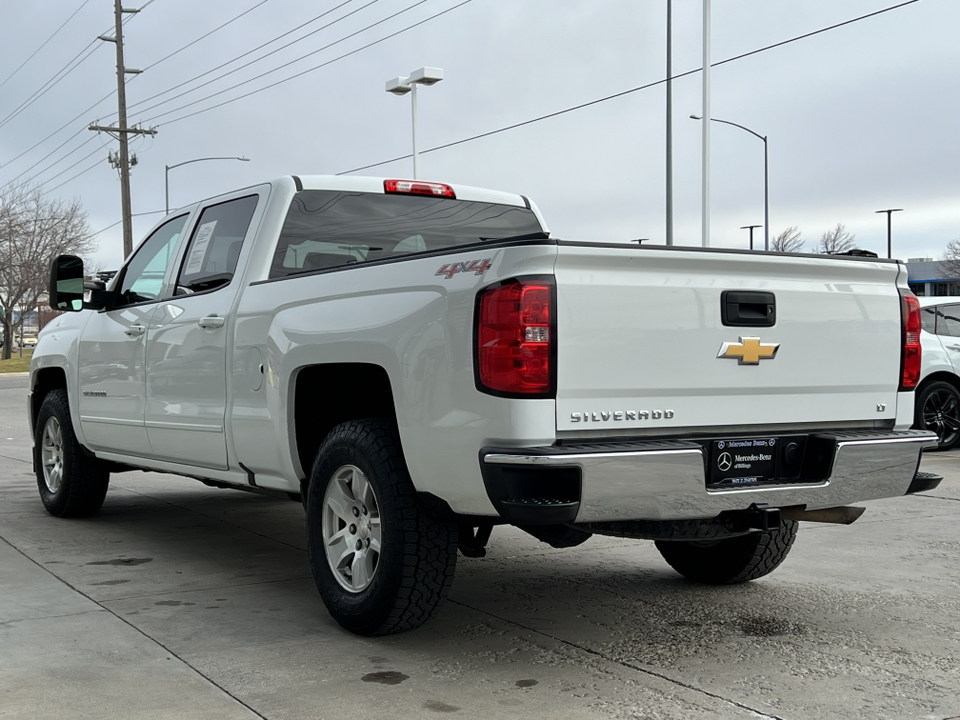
point(85, 479)
point(732, 560)
point(429, 546)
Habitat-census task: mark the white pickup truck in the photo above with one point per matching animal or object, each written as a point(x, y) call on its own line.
point(418, 362)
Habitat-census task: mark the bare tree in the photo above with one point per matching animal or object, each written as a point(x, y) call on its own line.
point(788, 241)
point(836, 241)
point(33, 230)
point(950, 260)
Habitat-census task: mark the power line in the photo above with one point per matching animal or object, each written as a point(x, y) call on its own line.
point(71, 167)
point(114, 92)
point(542, 117)
point(206, 35)
point(630, 91)
point(82, 172)
point(62, 127)
point(60, 75)
point(410, 27)
point(33, 54)
point(308, 70)
point(58, 160)
point(113, 225)
point(272, 52)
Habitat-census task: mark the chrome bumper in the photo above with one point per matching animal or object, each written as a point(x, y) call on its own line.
point(666, 480)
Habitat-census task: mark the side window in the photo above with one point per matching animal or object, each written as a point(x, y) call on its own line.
point(929, 319)
point(143, 276)
point(211, 258)
point(948, 320)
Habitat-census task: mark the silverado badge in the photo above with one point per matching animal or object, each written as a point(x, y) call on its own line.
point(749, 351)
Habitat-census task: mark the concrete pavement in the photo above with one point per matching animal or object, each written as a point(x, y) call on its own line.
point(183, 601)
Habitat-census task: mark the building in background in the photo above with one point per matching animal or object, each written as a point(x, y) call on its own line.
point(927, 277)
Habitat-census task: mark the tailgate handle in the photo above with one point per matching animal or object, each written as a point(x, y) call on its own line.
point(748, 308)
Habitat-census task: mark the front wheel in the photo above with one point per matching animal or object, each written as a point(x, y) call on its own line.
point(382, 563)
point(938, 410)
point(71, 482)
point(730, 560)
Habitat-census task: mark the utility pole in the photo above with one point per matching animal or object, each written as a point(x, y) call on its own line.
point(122, 161)
point(890, 212)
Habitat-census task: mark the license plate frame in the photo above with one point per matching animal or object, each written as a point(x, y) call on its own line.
point(743, 462)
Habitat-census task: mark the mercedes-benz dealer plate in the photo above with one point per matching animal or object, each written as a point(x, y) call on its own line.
point(742, 462)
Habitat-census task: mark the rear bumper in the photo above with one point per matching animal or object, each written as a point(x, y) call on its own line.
point(666, 480)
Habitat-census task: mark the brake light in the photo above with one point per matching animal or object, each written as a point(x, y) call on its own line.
point(515, 339)
point(910, 360)
point(414, 187)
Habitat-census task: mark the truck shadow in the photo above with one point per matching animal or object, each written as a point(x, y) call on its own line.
point(181, 553)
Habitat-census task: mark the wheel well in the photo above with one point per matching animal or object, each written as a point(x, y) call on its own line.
point(45, 380)
point(943, 376)
point(327, 395)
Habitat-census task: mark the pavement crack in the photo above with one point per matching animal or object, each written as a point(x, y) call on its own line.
point(939, 497)
point(13, 621)
point(631, 666)
point(15, 459)
point(129, 624)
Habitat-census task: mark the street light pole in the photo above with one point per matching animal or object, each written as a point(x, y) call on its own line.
point(402, 86)
point(705, 160)
point(766, 177)
point(168, 168)
point(890, 212)
point(750, 228)
point(669, 193)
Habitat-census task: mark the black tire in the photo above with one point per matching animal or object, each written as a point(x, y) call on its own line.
point(937, 409)
point(72, 483)
point(416, 554)
point(730, 560)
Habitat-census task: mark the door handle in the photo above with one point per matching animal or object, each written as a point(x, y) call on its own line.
point(211, 321)
point(953, 347)
point(134, 330)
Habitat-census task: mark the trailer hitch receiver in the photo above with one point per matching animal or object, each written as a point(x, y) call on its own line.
point(759, 516)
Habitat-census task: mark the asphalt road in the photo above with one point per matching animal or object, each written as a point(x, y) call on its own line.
point(182, 601)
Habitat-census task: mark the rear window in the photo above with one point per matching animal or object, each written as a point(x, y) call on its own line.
point(326, 229)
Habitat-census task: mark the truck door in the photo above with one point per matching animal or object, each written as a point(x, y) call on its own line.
point(186, 353)
point(948, 330)
point(112, 349)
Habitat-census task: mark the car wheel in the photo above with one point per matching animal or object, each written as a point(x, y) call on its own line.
point(71, 482)
point(382, 563)
point(730, 560)
point(938, 410)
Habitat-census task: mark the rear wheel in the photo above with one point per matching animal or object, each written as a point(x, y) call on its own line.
point(730, 560)
point(382, 563)
point(71, 482)
point(938, 410)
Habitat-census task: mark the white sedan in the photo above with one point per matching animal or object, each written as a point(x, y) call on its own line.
point(938, 393)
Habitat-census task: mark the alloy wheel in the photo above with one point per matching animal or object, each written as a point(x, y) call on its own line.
point(51, 455)
point(351, 528)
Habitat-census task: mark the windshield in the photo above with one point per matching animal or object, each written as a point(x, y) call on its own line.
point(326, 228)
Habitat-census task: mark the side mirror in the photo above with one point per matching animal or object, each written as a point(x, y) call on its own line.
point(66, 283)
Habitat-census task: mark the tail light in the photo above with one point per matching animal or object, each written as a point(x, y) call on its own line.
point(910, 360)
point(516, 339)
point(414, 187)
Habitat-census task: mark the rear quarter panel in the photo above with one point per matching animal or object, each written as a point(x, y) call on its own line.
point(418, 326)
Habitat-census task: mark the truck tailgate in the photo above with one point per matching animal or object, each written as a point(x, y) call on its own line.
point(639, 333)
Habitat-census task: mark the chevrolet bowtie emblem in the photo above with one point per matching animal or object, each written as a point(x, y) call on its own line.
point(749, 351)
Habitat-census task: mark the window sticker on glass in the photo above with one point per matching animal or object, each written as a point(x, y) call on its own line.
point(200, 242)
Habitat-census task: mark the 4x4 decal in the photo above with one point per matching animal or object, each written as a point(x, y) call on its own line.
point(478, 267)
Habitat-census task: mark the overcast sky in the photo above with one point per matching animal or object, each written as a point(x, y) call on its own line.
point(859, 118)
